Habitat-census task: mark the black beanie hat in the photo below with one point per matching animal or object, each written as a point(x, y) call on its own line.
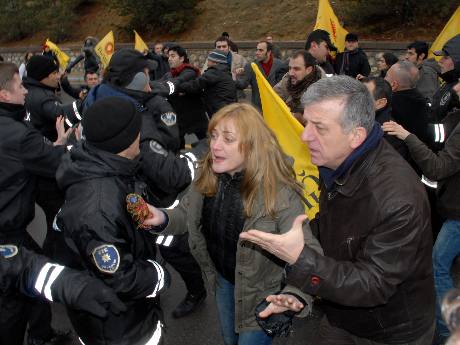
point(41, 66)
point(125, 64)
point(111, 124)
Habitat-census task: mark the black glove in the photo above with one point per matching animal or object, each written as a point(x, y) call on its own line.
point(97, 298)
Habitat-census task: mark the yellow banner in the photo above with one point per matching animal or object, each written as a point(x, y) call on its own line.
point(105, 49)
point(327, 20)
point(62, 57)
point(139, 43)
point(288, 130)
point(451, 29)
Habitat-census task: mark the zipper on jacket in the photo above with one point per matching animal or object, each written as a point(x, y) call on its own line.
point(349, 240)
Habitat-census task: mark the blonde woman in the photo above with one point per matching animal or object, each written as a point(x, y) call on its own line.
point(245, 181)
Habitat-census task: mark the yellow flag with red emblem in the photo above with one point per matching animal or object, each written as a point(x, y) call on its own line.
point(105, 49)
point(288, 130)
point(327, 20)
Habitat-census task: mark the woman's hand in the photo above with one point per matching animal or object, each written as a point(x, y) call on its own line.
point(393, 128)
point(155, 218)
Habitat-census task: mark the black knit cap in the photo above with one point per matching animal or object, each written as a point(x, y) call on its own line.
point(111, 124)
point(41, 66)
point(124, 65)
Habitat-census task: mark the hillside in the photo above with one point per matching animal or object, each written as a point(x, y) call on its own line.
point(243, 19)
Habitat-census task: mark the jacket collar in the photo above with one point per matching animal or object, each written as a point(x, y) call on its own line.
point(28, 82)
point(15, 111)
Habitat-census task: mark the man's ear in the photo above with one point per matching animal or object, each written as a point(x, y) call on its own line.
point(309, 69)
point(381, 103)
point(4, 95)
point(359, 134)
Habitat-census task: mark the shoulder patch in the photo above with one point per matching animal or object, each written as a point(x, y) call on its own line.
point(106, 258)
point(169, 118)
point(445, 98)
point(8, 250)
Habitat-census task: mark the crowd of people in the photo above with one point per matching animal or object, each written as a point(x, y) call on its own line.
point(120, 186)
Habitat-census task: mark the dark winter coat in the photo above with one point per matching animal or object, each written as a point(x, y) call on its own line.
point(44, 107)
point(24, 154)
point(190, 110)
point(93, 218)
point(352, 63)
point(217, 85)
point(445, 99)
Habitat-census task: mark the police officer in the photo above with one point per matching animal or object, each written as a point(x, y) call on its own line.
point(25, 155)
point(100, 235)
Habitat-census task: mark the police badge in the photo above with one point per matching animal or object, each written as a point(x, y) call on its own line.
point(8, 250)
point(169, 119)
point(106, 258)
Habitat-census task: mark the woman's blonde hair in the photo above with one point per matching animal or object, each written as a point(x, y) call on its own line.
point(266, 166)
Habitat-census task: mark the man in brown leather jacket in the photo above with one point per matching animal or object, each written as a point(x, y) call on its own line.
point(375, 277)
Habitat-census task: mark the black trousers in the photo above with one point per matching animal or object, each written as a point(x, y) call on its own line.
point(179, 257)
point(50, 199)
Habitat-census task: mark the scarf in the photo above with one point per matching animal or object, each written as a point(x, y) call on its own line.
point(297, 90)
point(267, 66)
point(176, 71)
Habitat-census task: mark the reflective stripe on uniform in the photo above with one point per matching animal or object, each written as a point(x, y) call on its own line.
point(161, 240)
point(439, 134)
point(47, 290)
point(42, 285)
point(161, 278)
point(429, 183)
point(75, 109)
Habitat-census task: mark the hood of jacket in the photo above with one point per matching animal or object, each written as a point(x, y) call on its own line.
point(85, 162)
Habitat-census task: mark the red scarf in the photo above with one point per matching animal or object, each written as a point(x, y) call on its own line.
point(267, 66)
point(176, 71)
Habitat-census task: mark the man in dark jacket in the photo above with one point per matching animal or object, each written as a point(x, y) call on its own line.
point(271, 68)
point(191, 112)
point(43, 108)
point(165, 173)
point(446, 99)
point(216, 84)
point(427, 84)
point(100, 235)
point(381, 92)
point(353, 61)
point(375, 278)
point(319, 45)
point(25, 155)
point(409, 107)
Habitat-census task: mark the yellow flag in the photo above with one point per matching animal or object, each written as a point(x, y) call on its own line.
point(62, 57)
point(451, 29)
point(105, 49)
point(287, 129)
point(327, 20)
point(139, 43)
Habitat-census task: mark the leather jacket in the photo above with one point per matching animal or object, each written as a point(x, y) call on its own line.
point(376, 274)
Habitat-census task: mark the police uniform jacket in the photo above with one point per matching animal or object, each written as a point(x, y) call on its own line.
point(44, 106)
point(24, 154)
point(101, 238)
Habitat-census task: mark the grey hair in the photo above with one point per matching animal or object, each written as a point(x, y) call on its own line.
point(406, 74)
point(358, 108)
